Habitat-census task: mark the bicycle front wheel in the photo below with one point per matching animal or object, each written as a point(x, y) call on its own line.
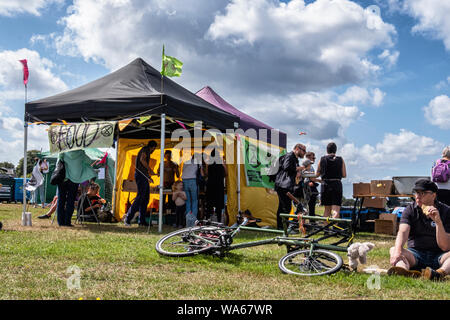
point(306, 263)
point(189, 241)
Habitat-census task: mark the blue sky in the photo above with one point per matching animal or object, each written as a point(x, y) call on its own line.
point(378, 85)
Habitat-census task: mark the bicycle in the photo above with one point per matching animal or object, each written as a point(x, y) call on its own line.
point(306, 256)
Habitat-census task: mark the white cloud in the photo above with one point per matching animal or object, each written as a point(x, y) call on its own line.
point(34, 7)
point(377, 97)
point(432, 16)
point(42, 80)
point(443, 84)
point(437, 112)
point(359, 95)
point(393, 148)
point(317, 114)
point(12, 141)
point(391, 58)
point(257, 46)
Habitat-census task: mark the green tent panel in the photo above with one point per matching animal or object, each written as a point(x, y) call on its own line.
point(106, 184)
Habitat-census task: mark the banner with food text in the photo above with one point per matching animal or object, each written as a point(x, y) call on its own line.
point(258, 159)
point(76, 136)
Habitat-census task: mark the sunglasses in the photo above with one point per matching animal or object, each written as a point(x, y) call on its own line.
point(422, 193)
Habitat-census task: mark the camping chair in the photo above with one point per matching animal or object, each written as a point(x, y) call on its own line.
point(81, 214)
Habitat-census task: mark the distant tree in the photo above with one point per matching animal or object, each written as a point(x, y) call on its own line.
point(31, 155)
point(347, 202)
point(7, 165)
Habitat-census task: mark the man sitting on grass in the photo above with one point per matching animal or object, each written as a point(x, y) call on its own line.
point(425, 224)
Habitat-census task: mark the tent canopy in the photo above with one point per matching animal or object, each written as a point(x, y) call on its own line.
point(246, 121)
point(131, 91)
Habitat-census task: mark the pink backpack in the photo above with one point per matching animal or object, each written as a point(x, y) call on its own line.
point(440, 172)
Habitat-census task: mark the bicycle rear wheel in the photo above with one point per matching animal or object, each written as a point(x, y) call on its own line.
point(305, 263)
point(190, 241)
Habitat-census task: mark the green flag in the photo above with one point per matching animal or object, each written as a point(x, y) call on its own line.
point(171, 67)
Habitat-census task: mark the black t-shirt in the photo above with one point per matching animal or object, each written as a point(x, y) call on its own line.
point(139, 166)
point(331, 167)
point(422, 235)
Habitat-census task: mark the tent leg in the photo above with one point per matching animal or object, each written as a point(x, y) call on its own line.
point(161, 171)
point(238, 159)
point(114, 195)
point(25, 142)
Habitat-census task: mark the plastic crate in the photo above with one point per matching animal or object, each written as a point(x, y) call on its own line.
point(18, 190)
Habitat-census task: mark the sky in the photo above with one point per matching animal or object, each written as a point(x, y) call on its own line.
point(372, 76)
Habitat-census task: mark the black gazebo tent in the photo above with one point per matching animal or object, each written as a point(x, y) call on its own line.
point(130, 92)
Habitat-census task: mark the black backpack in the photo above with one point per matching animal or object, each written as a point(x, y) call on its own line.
point(275, 168)
point(59, 174)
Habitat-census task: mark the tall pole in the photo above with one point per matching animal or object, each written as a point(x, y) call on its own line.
point(115, 188)
point(25, 141)
point(161, 171)
point(238, 159)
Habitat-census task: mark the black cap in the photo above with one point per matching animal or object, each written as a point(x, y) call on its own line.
point(425, 185)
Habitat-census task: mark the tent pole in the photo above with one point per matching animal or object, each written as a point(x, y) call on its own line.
point(25, 141)
point(115, 179)
point(161, 171)
point(238, 159)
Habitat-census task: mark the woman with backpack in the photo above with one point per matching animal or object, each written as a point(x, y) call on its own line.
point(440, 174)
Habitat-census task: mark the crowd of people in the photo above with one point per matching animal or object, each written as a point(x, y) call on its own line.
point(187, 181)
point(289, 178)
point(424, 225)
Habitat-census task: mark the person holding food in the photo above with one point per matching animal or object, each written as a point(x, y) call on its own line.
point(425, 225)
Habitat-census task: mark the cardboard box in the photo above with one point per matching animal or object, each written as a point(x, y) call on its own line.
point(374, 202)
point(361, 189)
point(129, 186)
point(386, 224)
point(382, 187)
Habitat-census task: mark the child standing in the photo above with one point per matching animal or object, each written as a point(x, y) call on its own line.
point(179, 197)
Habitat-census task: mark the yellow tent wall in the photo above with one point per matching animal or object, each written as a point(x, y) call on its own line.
point(262, 202)
point(127, 148)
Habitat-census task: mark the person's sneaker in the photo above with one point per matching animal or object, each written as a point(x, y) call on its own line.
point(126, 224)
point(44, 216)
point(399, 271)
point(431, 274)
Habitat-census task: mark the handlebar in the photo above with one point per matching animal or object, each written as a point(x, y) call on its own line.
point(290, 195)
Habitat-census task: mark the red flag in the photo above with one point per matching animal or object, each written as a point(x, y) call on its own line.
point(181, 124)
point(25, 71)
point(104, 158)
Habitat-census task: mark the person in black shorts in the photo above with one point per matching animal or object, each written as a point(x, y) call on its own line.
point(332, 169)
point(425, 226)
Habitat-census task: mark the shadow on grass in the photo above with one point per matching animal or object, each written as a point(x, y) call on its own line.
point(121, 229)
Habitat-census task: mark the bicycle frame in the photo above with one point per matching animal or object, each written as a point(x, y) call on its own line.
point(284, 239)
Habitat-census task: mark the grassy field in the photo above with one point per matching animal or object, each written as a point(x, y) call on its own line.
point(115, 262)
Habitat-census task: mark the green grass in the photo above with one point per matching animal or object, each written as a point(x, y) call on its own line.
point(121, 263)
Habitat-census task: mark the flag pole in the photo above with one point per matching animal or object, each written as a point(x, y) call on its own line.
point(162, 76)
point(25, 141)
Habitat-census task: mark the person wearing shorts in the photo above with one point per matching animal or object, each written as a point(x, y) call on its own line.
point(425, 226)
point(332, 169)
